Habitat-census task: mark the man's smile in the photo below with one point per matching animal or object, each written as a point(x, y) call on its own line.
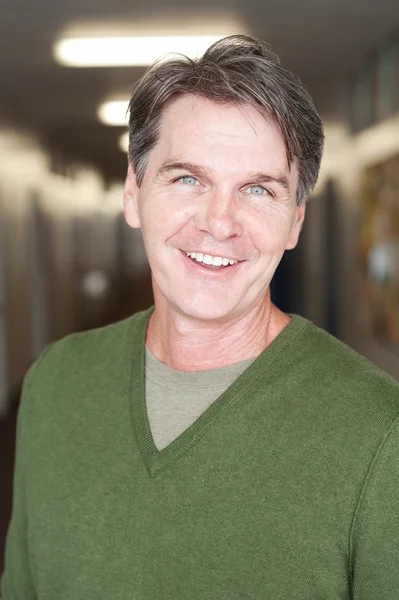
point(209, 259)
point(206, 263)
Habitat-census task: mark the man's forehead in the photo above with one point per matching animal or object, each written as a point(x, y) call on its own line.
point(191, 110)
point(190, 124)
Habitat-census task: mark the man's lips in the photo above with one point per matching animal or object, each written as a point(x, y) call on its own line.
point(199, 255)
point(219, 268)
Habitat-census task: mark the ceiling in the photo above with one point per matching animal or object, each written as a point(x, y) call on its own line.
point(318, 39)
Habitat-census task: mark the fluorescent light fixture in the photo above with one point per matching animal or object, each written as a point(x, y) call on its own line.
point(124, 142)
point(127, 51)
point(114, 113)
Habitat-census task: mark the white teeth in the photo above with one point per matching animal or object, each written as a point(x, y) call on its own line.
point(208, 259)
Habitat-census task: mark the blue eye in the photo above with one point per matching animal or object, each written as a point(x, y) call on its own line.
point(188, 180)
point(257, 190)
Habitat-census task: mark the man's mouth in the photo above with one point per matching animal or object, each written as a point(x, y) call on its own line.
point(209, 260)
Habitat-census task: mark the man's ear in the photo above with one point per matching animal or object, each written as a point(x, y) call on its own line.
point(297, 226)
point(130, 200)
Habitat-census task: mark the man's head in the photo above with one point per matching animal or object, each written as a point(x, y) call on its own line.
point(236, 70)
point(223, 153)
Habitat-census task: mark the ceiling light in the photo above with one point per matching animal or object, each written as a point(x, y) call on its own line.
point(127, 51)
point(114, 113)
point(124, 142)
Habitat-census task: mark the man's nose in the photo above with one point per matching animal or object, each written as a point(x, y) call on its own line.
point(220, 215)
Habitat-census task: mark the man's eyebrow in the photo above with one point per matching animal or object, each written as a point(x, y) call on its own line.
point(279, 179)
point(169, 166)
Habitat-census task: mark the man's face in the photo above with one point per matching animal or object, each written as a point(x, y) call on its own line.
point(217, 183)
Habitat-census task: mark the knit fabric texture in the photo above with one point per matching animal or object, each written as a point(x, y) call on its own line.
point(286, 487)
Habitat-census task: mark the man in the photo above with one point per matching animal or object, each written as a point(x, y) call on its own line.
point(211, 447)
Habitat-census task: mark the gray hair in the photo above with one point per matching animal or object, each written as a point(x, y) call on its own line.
point(238, 70)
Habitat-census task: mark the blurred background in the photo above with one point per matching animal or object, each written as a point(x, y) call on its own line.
point(69, 262)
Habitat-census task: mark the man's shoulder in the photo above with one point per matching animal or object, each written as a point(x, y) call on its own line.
point(86, 354)
point(333, 352)
point(333, 363)
point(89, 345)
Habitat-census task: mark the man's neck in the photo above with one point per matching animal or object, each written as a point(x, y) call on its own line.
point(190, 345)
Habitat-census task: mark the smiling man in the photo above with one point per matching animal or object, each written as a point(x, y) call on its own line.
point(217, 209)
point(212, 446)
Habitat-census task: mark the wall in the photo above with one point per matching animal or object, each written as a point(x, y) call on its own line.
point(61, 242)
point(345, 158)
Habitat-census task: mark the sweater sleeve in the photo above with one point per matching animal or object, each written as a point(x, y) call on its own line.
point(375, 531)
point(17, 582)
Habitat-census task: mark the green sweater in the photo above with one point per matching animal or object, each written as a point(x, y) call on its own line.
point(285, 488)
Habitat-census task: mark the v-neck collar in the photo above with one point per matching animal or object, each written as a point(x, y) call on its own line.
point(158, 460)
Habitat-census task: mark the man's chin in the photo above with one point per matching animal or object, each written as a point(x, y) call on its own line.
point(198, 306)
point(200, 311)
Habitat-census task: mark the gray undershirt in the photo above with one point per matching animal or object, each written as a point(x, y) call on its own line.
point(175, 399)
